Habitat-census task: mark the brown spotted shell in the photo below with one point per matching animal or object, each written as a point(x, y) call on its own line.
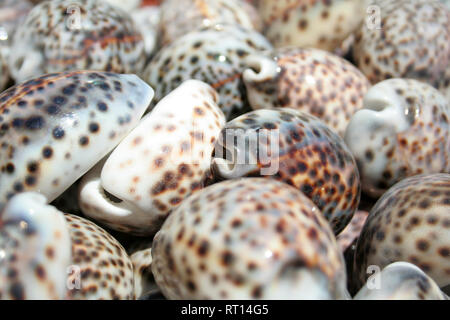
point(63, 35)
point(410, 222)
point(104, 268)
point(412, 41)
point(248, 238)
point(296, 148)
point(403, 130)
point(313, 23)
point(310, 80)
point(179, 17)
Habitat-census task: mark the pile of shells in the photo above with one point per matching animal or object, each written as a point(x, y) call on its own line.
point(216, 149)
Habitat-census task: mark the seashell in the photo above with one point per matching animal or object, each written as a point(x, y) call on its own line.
point(213, 55)
point(309, 80)
point(410, 222)
point(401, 281)
point(146, 20)
point(402, 131)
point(158, 164)
point(54, 128)
point(249, 238)
point(412, 42)
point(351, 233)
point(179, 17)
point(296, 148)
point(318, 24)
point(61, 35)
point(144, 282)
point(34, 249)
point(100, 263)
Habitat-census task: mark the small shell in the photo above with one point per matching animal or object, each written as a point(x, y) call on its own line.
point(403, 130)
point(309, 80)
point(144, 282)
point(314, 23)
point(54, 128)
point(351, 233)
point(104, 269)
point(412, 42)
point(34, 249)
point(61, 35)
point(410, 222)
point(179, 17)
point(296, 148)
point(213, 55)
point(248, 239)
point(401, 281)
point(158, 164)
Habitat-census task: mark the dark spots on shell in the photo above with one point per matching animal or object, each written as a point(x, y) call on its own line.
point(444, 252)
point(191, 286)
point(47, 152)
point(102, 106)
point(424, 204)
point(380, 235)
point(10, 168)
point(34, 123)
point(59, 100)
point(40, 272)
point(58, 133)
point(302, 167)
point(52, 109)
point(227, 258)
point(422, 245)
point(203, 248)
point(17, 291)
point(94, 127)
point(33, 167)
point(83, 141)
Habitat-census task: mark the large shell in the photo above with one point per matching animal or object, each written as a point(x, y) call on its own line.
point(296, 148)
point(179, 17)
point(56, 127)
point(410, 222)
point(34, 249)
point(249, 238)
point(214, 55)
point(311, 80)
point(412, 41)
point(313, 23)
point(403, 130)
point(63, 35)
point(160, 163)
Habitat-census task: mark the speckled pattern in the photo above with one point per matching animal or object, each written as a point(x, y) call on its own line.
point(248, 238)
point(214, 55)
point(56, 127)
point(179, 17)
point(106, 270)
point(351, 233)
point(403, 130)
point(144, 282)
point(320, 24)
point(413, 42)
point(50, 40)
point(410, 222)
point(311, 80)
point(160, 163)
point(402, 281)
point(310, 157)
point(35, 250)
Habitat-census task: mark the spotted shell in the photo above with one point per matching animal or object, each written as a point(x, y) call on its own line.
point(34, 249)
point(410, 222)
point(160, 163)
point(100, 262)
point(296, 148)
point(311, 80)
point(61, 35)
point(403, 130)
point(248, 238)
point(144, 282)
point(315, 23)
point(214, 55)
point(401, 281)
point(54, 128)
point(351, 233)
point(412, 41)
point(179, 17)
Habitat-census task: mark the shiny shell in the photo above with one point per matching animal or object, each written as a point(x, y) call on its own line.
point(410, 222)
point(403, 130)
point(61, 35)
point(296, 148)
point(54, 128)
point(310, 80)
point(214, 55)
point(248, 238)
